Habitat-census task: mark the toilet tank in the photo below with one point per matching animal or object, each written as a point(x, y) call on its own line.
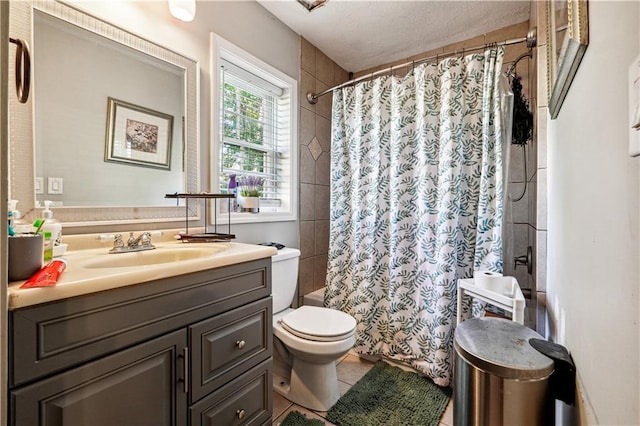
point(284, 278)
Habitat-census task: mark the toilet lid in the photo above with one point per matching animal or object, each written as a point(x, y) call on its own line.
point(319, 324)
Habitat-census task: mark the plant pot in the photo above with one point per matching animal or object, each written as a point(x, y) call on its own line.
point(249, 204)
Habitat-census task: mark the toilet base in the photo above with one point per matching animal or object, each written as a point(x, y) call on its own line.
point(312, 386)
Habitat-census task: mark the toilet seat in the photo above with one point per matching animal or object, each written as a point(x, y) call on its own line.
point(319, 324)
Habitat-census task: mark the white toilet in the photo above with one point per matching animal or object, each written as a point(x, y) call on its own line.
point(307, 341)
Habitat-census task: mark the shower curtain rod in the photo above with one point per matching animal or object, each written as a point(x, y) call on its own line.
point(530, 39)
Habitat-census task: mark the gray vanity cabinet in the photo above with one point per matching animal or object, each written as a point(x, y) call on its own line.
point(136, 386)
point(194, 349)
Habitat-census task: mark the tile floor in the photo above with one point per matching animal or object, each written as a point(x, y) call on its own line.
point(350, 369)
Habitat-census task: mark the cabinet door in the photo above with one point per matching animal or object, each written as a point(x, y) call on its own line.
point(139, 386)
point(225, 346)
point(245, 401)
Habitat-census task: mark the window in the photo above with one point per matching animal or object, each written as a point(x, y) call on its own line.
point(254, 126)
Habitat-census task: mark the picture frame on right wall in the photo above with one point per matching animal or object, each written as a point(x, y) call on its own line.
point(567, 41)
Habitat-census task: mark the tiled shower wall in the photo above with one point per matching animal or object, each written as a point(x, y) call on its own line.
point(318, 72)
point(538, 229)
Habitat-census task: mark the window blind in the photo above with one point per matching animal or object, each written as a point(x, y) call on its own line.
point(255, 131)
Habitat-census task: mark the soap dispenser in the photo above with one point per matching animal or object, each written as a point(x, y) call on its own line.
point(19, 225)
point(51, 224)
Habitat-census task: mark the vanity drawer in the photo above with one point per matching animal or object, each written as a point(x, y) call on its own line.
point(246, 400)
point(52, 337)
point(228, 344)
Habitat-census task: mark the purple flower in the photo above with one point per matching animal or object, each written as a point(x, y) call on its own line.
point(250, 186)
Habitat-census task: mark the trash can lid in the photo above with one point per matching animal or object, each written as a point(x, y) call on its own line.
point(501, 347)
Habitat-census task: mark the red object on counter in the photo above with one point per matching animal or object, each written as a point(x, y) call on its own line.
point(47, 276)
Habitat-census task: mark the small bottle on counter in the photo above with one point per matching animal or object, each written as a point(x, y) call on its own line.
point(47, 253)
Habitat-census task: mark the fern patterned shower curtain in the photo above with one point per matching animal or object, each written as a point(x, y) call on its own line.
point(416, 203)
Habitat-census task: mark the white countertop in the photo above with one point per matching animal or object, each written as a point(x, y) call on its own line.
point(79, 278)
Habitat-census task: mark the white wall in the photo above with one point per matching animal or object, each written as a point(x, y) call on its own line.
point(593, 221)
point(244, 23)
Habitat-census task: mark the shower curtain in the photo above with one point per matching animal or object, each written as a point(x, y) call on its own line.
point(416, 203)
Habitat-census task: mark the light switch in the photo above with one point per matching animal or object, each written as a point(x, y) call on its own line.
point(55, 185)
point(39, 185)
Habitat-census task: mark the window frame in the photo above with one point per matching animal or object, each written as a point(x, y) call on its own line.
point(223, 49)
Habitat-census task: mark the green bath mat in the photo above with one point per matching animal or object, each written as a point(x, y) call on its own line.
point(388, 396)
point(296, 418)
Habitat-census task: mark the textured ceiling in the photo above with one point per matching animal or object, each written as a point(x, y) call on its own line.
point(360, 34)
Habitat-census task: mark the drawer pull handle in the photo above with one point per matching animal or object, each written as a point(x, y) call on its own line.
point(240, 344)
point(240, 414)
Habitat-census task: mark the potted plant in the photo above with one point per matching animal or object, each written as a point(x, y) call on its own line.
point(249, 192)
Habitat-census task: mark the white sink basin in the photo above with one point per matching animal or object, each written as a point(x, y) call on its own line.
point(152, 257)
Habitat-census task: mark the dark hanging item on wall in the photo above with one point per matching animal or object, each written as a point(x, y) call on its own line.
point(522, 116)
point(23, 69)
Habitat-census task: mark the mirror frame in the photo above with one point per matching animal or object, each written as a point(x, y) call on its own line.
point(22, 124)
point(562, 68)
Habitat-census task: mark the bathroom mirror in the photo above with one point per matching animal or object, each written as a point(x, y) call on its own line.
point(111, 126)
point(567, 40)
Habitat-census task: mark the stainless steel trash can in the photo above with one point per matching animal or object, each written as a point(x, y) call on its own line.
point(499, 378)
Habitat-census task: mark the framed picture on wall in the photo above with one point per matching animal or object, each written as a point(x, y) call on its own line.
point(138, 136)
point(567, 40)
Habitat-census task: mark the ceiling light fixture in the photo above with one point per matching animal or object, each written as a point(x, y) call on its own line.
point(312, 4)
point(184, 10)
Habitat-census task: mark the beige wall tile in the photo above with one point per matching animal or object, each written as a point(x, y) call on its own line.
point(324, 68)
point(532, 159)
point(516, 164)
point(307, 201)
point(307, 56)
point(541, 77)
point(323, 169)
point(512, 52)
point(533, 201)
point(541, 209)
point(307, 239)
point(322, 236)
point(541, 15)
point(533, 13)
point(323, 107)
point(533, 241)
point(541, 313)
point(323, 132)
point(307, 85)
point(340, 75)
point(320, 271)
point(323, 200)
point(507, 33)
point(307, 166)
point(307, 126)
point(305, 277)
point(427, 54)
point(541, 140)
point(520, 208)
point(541, 260)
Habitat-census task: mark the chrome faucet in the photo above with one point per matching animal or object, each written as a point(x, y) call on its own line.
point(142, 242)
